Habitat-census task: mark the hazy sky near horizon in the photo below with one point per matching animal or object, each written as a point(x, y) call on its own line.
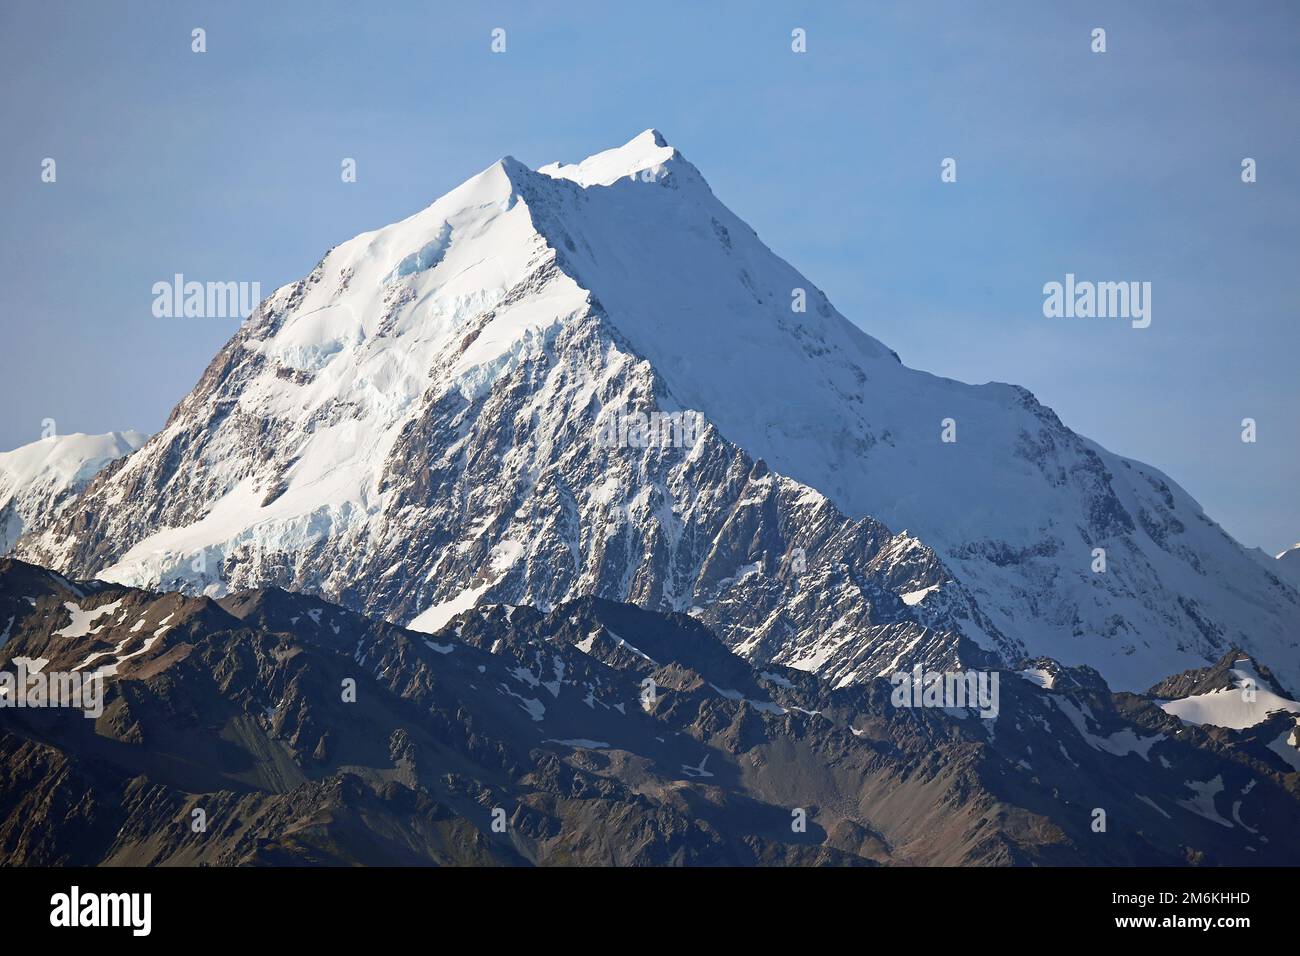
point(1125, 165)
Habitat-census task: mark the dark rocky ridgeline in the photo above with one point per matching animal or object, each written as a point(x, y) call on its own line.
point(597, 734)
point(1218, 676)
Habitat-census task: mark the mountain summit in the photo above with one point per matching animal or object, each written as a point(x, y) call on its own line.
point(415, 427)
point(645, 155)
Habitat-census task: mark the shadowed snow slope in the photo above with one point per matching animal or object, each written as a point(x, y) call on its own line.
point(1288, 565)
point(413, 427)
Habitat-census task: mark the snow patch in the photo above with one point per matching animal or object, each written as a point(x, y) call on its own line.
point(82, 619)
point(1202, 804)
point(1229, 707)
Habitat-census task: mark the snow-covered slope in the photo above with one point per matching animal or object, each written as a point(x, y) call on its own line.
point(1288, 565)
point(38, 480)
point(414, 427)
point(1244, 701)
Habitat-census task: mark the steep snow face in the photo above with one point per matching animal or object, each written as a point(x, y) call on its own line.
point(282, 445)
point(38, 480)
point(412, 427)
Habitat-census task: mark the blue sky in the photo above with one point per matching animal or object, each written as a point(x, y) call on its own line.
point(1115, 166)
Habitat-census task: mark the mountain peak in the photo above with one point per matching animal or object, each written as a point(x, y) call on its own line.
point(413, 429)
point(647, 151)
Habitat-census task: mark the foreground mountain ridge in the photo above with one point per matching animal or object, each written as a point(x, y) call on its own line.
point(599, 733)
point(413, 428)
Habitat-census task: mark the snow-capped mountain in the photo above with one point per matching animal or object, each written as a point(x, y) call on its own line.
point(419, 425)
point(38, 480)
